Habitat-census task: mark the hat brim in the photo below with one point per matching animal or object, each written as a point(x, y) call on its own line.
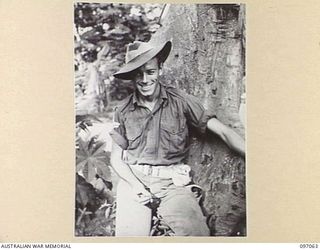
point(162, 52)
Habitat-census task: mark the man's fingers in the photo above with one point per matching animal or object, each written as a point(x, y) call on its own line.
point(143, 198)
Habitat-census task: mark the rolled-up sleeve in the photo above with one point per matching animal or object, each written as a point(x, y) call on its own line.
point(197, 116)
point(118, 131)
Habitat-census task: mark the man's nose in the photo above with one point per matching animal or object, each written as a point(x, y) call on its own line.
point(144, 77)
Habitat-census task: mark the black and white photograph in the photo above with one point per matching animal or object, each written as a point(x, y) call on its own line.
point(159, 123)
point(160, 126)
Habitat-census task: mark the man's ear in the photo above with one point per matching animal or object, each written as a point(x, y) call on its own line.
point(160, 71)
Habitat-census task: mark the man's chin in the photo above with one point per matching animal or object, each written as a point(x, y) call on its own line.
point(146, 94)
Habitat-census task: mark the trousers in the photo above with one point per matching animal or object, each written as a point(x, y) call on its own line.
point(178, 208)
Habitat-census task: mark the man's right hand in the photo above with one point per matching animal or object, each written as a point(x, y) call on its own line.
point(143, 196)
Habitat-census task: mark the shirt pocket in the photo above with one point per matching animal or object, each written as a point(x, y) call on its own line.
point(174, 136)
point(133, 133)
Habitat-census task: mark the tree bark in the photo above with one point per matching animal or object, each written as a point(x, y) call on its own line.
point(208, 61)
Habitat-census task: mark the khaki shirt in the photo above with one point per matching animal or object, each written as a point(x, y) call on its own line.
point(161, 136)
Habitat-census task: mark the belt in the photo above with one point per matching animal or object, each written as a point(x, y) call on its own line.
point(155, 171)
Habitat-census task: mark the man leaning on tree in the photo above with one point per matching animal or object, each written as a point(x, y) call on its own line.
point(150, 147)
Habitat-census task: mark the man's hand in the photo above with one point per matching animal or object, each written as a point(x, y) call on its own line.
point(146, 198)
point(143, 196)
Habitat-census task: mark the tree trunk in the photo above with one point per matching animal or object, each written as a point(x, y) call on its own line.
point(208, 61)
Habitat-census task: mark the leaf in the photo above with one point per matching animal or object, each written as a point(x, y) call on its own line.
point(91, 158)
point(105, 173)
point(91, 145)
point(85, 192)
point(91, 169)
point(99, 149)
point(81, 165)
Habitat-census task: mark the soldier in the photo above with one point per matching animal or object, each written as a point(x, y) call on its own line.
point(150, 147)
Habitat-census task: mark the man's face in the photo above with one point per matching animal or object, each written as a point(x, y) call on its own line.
point(146, 78)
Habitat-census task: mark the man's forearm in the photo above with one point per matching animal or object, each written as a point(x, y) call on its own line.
point(230, 137)
point(125, 172)
point(235, 142)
